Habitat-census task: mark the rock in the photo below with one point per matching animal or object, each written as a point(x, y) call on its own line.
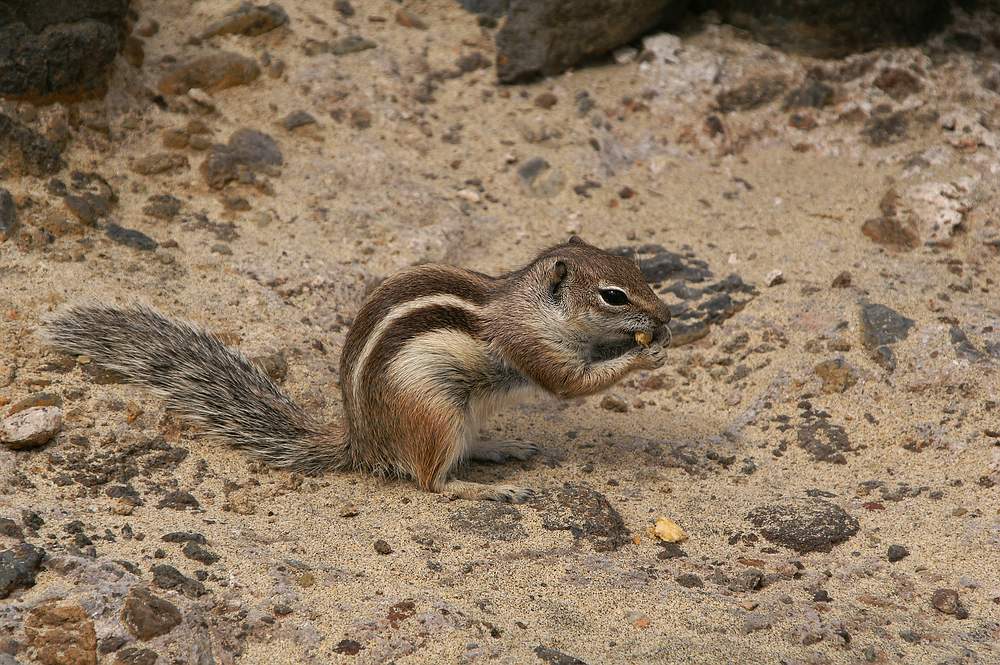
point(545, 37)
point(8, 215)
point(823, 439)
point(892, 232)
point(964, 349)
point(947, 602)
point(382, 547)
point(59, 49)
point(833, 29)
point(18, 567)
point(26, 152)
point(408, 19)
point(492, 8)
point(811, 94)
point(583, 512)
point(750, 579)
point(836, 374)
point(546, 100)
point(247, 152)
point(196, 552)
point(897, 83)
point(36, 400)
point(168, 577)
point(614, 403)
point(58, 634)
point(690, 581)
point(248, 20)
point(134, 656)
point(162, 206)
point(539, 179)
point(493, 522)
point(938, 208)
point(751, 95)
point(211, 73)
point(178, 500)
point(344, 7)
point(774, 278)
point(159, 162)
point(147, 616)
point(130, 238)
point(754, 622)
point(31, 427)
point(184, 537)
point(80, 207)
point(881, 327)
point(555, 657)
point(297, 119)
point(351, 44)
point(897, 553)
point(804, 525)
point(885, 129)
point(9, 528)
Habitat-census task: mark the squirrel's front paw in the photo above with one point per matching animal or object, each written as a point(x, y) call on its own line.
point(653, 356)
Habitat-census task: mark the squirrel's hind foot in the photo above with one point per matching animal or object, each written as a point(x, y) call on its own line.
point(464, 489)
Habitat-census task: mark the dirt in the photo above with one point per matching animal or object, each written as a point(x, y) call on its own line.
point(416, 155)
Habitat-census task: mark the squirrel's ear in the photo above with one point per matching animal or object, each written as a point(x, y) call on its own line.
point(556, 277)
point(575, 240)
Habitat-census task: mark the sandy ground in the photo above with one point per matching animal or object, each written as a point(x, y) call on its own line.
point(728, 427)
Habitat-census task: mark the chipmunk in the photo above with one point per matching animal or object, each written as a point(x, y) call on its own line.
point(432, 353)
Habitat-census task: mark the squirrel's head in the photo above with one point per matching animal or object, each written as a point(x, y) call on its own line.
point(602, 299)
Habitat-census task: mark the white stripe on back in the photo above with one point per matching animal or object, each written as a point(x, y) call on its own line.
point(397, 312)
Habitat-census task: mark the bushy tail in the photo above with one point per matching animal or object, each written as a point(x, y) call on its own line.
point(202, 378)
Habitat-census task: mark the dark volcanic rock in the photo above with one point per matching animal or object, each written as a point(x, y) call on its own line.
point(883, 130)
point(812, 93)
point(147, 616)
point(494, 522)
point(134, 656)
point(18, 567)
point(196, 552)
point(833, 29)
point(179, 500)
point(585, 513)
point(59, 48)
point(545, 37)
point(493, 8)
point(556, 657)
point(897, 553)
point(162, 206)
point(824, 440)
point(882, 327)
point(751, 95)
point(964, 349)
point(8, 215)
point(168, 577)
point(26, 152)
point(247, 152)
point(804, 525)
point(130, 238)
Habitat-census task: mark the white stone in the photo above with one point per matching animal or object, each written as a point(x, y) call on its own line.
point(31, 427)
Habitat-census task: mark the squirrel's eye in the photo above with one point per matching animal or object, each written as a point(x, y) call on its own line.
point(614, 297)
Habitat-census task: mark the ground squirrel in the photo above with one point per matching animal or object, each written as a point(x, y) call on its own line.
point(432, 353)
